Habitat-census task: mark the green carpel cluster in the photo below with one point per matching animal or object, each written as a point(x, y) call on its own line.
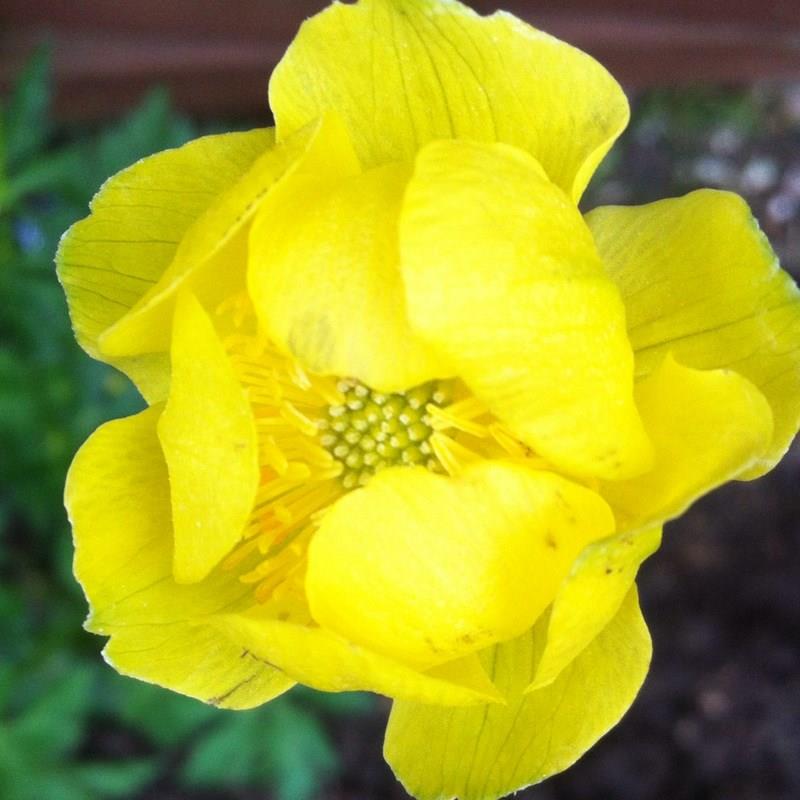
point(372, 430)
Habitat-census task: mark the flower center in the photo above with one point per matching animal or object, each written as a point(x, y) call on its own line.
point(370, 431)
point(319, 437)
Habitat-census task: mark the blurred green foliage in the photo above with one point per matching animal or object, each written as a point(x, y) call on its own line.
point(69, 726)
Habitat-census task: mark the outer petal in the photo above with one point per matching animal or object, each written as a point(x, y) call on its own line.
point(502, 276)
point(109, 260)
point(323, 247)
point(117, 496)
point(325, 661)
point(485, 753)
point(212, 256)
point(425, 568)
point(210, 445)
point(707, 427)
point(700, 280)
point(407, 72)
point(590, 596)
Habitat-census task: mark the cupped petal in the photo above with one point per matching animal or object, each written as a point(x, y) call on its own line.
point(110, 260)
point(503, 278)
point(425, 568)
point(325, 280)
point(211, 260)
point(707, 427)
point(486, 753)
point(589, 598)
point(323, 660)
point(208, 435)
point(407, 72)
point(118, 500)
point(700, 280)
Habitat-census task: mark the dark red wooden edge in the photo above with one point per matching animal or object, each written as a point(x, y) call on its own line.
point(216, 57)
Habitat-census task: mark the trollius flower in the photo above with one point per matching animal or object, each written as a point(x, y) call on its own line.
point(413, 421)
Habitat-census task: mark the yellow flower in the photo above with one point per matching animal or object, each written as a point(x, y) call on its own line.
point(414, 422)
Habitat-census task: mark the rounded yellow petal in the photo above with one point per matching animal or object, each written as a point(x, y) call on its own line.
point(425, 568)
point(700, 280)
point(407, 72)
point(707, 427)
point(118, 500)
point(503, 278)
point(590, 596)
point(325, 280)
point(323, 660)
point(487, 753)
point(210, 445)
point(110, 260)
point(211, 260)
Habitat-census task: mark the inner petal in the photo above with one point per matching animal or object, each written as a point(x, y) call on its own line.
point(321, 436)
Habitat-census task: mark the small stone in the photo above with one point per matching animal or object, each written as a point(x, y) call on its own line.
point(758, 175)
point(725, 141)
point(781, 208)
point(714, 171)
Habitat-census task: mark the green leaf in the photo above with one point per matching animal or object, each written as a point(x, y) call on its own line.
point(26, 121)
point(44, 174)
point(229, 754)
point(53, 725)
point(166, 718)
point(301, 753)
point(280, 745)
point(112, 780)
point(152, 126)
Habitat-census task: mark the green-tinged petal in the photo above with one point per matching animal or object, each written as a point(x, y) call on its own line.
point(407, 72)
point(196, 660)
point(503, 278)
point(325, 280)
point(323, 660)
point(110, 260)
point(700, 280)
point(707, 427)
point(212, 257)
point(118, 500)
point(210, 445)
point(426, 568)
point(590, 596)
point(486, 753)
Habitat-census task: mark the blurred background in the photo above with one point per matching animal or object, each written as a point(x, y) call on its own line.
point(88, 87)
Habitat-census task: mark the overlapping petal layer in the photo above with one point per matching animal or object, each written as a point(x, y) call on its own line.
point(407, 72)
point(196, 639)
point(426, 568)
point(589, 597)
point(700, 280)
point(326, 661)
point(110, 260)
point(481, 753)
point(503, 278)
point(708, 427)
point(208, 435)
point(212, 257)
point(325, 280)
point(118, 500)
